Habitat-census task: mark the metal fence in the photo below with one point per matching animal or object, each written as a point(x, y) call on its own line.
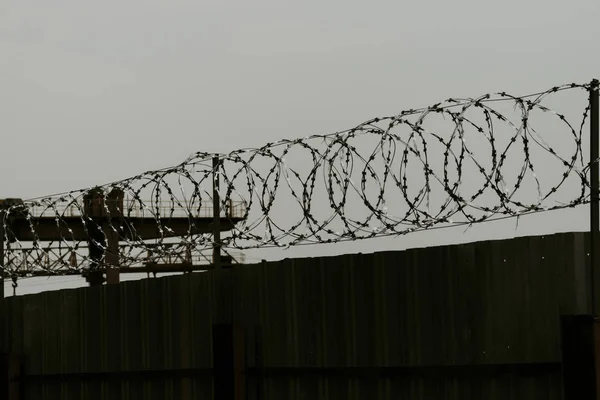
point(473, 321)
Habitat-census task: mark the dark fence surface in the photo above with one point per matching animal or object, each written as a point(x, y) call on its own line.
point(472, 321)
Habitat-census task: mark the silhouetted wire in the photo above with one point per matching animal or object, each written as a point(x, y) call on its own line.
point(342, 192)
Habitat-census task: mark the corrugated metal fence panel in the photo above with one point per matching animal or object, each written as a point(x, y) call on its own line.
point(154, 324)
point(476, 304)
point(201, 296)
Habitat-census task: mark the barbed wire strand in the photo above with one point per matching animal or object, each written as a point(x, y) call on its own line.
point(388, 176)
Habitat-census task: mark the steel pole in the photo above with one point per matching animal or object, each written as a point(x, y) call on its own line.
point(216, 215)
point(595, 193)
point(1, 256)
point(3, 319)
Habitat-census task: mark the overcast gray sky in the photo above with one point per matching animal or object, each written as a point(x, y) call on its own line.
point(97, 91)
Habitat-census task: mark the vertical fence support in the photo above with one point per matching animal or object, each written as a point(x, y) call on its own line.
point(580, 334)
point(594, 182)
point(258, 377)
point(1, 261)
point(229, 362)
point(216, 215)
point(9, 364)
point(3, 314)
point(11, 375)
point(111, 255)
point(580, 343)
point(114, 204)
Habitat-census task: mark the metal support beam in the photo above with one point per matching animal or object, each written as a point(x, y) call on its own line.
point(216, 215)
point(580, 336)
point(3, 319)
point(111, 255)
point(595, 193)
point(229, 362)
point(11, 372)
point(1, 256)
point(114, 204)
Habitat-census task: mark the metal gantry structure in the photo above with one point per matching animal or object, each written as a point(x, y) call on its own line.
point(110, 251)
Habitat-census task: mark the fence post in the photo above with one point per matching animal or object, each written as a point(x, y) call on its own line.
point(229, 362)
point(594, 189)
point(1, 261)
point(216, 215)
point(580, 345)
point(3, 317)
point(114, 203)
point(10, 369)
point(580, 334)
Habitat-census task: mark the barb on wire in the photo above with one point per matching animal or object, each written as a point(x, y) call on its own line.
point(461, 161)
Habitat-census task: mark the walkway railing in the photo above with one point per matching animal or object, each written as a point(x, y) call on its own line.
point(56, 259)
point(148, 209)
